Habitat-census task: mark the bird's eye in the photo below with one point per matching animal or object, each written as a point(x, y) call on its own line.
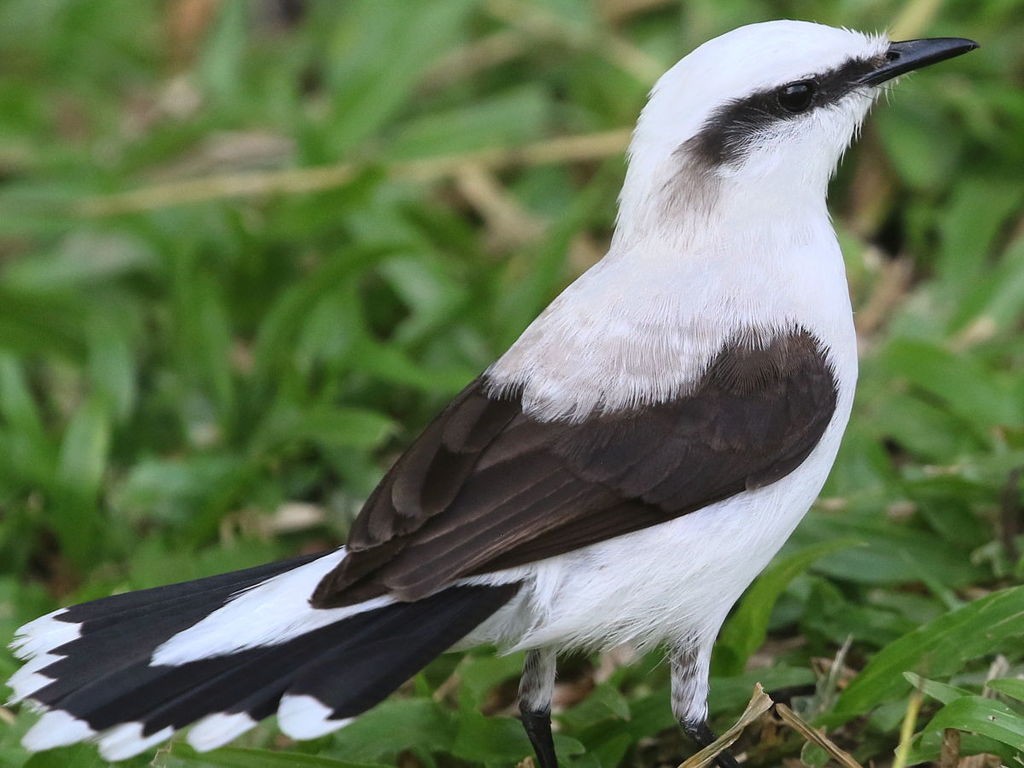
point(796, 97)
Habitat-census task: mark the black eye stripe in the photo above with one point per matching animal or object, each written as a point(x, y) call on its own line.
point(725, 138)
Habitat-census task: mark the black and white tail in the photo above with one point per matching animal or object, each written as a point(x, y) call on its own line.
point(222, 653)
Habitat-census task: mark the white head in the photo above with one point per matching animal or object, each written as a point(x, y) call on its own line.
point(767, 109)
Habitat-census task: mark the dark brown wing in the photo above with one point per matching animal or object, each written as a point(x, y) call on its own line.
point(487, 487)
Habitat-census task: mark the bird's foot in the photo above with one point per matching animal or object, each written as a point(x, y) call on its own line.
point(538, 728)
point(703, 736)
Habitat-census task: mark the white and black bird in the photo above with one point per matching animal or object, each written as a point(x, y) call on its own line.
point(619, 475)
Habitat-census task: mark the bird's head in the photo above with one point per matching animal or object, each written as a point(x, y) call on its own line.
point(764, 110)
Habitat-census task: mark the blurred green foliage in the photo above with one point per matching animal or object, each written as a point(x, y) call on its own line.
point(212, 367)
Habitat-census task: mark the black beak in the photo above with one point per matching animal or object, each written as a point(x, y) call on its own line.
point(908, 55)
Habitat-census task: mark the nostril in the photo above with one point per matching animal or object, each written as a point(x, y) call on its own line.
point(892, 55)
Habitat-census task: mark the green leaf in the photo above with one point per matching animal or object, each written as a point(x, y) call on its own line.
point(221, 62)
point(609, 697)
point(481, 739)
point(262, 758)
point(938, 648)
point(938, 691)
point(322, 425)
point(505, 119)
point(82, 261)
point(204, 335)
point(283, 321)
point(479, 674)
point(604, 703)
point(919, 140)
point(892, 553)
point(42, 324)
point(364, 94)
point(977, 212)
point(16, 402)
point(422, 723)
point(985, 717)
point(83, 452)
point(610, 749)
point(78, 756)
point(428, 289)
point(500, 740)
point(1009, 686)
point(112, 369)
point(746, 629)
point(390, 364)
point(959, 382)
point(921, 426)
point(173, 489)
point(994, 300)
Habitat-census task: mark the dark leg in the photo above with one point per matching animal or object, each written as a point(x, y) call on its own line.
point(535, 689)
point(538, 728)
point(703, 736)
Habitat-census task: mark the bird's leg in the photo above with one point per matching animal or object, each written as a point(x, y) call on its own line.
point(690, 696)
point(703, 736)
point(535, 690)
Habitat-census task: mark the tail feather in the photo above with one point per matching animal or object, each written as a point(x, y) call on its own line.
point(116, 652)
point(110, 610)
point(40, 642)
point(395, 644)
point(226, 652)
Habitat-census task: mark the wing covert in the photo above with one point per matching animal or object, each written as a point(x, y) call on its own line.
point(486, 487)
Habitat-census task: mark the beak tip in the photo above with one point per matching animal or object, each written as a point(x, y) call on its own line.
point(968, 44)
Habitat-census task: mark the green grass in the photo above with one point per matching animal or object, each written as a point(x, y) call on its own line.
point(199, 330)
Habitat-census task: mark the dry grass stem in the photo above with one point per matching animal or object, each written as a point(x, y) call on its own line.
point(801, 726)
point(915, 19)
point(472, 59)
point(949, 757)
point(544, 25)
point(760, 702)
point(978, 331)
point(448, 687)
point(564, 149)
point(508, 223)
point(889, 292)
point(980, 761)
point(294, 516)
point(616, 11)
point(1011, 514)
point(907, 730)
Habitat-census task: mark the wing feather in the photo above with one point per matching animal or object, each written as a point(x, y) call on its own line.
point(487, 487)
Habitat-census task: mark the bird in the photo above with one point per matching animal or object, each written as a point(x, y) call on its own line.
point(619, 475)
